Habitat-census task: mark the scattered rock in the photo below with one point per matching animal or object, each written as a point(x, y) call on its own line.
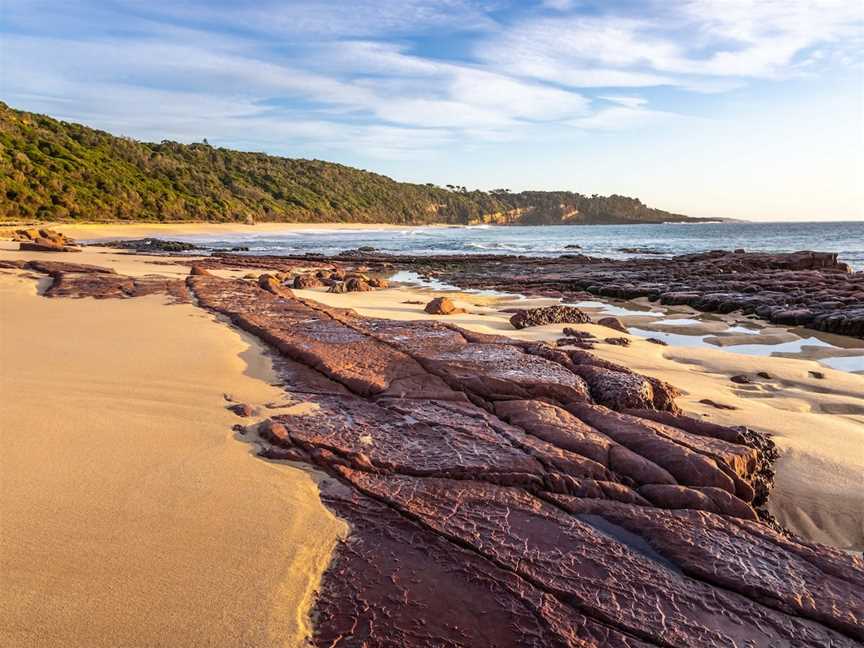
point(817, 374)
point(548, 315)
point(741, 379)
point(579, 343)
point(613, 323)
point(271, 284)
point(571, 332)
point(638, 250)
point(43, 240)
point(378, 282)
point(351, 284)
point(242, 409)
point(198, 271)
point(45, 245)
point(307, 281)
point(657, 341)
point(618, 341)
point(45, 237)
point(442, 306)
point(765, 375)
point(26, 235)
point(274, 432)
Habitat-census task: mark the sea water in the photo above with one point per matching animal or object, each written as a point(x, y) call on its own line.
point(612, 241)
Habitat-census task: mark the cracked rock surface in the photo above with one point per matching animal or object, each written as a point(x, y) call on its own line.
point(499, 497)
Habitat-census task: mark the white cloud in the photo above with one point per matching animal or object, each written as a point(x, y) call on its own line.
point(678, 44)
point(333, 75)
point(629, 102)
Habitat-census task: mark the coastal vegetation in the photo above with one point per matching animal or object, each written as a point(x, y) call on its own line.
point(52, 170)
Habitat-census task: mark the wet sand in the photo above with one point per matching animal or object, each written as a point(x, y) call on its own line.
point(130, 513)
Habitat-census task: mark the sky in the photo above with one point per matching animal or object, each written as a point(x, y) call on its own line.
point(727, 108)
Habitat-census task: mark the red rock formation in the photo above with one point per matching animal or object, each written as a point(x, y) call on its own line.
point(442, 306)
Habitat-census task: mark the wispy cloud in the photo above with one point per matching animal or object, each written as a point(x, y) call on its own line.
point(394, 78)
point(679, 42)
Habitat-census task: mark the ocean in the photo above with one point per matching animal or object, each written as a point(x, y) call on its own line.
point(613, 241)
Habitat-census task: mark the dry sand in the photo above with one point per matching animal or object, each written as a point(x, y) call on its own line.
point(130, 515)
point(817, 424)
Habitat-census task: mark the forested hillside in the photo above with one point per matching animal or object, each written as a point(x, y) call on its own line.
point(53, 170)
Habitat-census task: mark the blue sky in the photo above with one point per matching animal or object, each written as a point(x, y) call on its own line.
point(741, 108)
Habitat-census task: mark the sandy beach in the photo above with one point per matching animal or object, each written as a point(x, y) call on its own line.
point(129, 506)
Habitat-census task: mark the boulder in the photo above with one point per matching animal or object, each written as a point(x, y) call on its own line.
point(618, 341)
point(442, 306)
point(613, 323)
point(271, 284)
point(242, 409)
point(45, 245)
point(307, 281)
point(351, 284)
point(549, 315)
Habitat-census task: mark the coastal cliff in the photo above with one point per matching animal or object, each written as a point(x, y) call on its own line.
point(57, 171)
